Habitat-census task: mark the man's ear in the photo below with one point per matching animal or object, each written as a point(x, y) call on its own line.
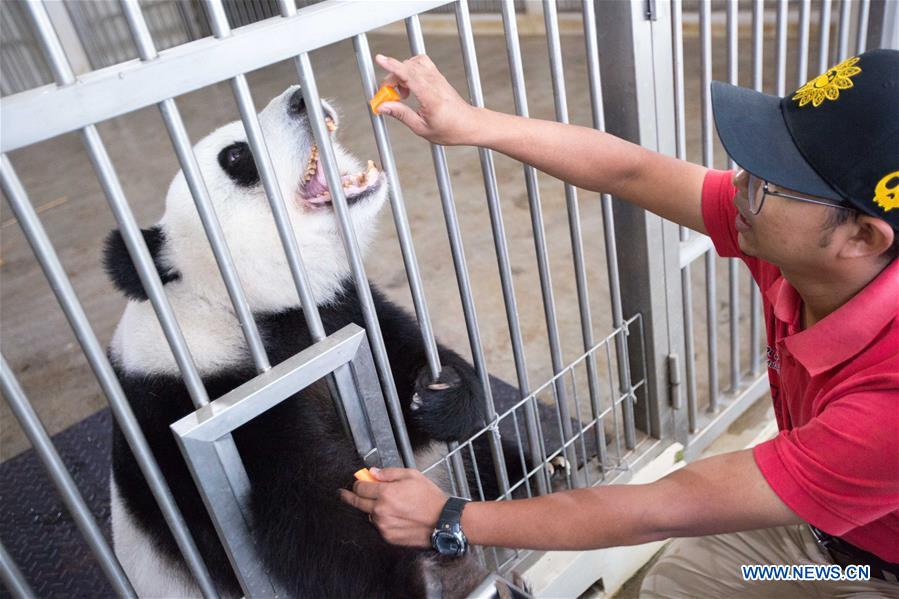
point(872, 237)
point(120, 269)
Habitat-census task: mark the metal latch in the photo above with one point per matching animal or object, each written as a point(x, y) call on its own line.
point(674, 391)
point(650, 12)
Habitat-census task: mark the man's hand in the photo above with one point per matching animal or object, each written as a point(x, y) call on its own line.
point(405, 505)
point(443, 117)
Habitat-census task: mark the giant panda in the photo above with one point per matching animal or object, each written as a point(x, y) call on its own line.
point(296, 454)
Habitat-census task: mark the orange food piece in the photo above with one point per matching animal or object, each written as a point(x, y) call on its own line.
point(386, 93)
point(364, 474)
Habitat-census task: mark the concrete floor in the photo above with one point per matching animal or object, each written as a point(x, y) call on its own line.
point(43, 353)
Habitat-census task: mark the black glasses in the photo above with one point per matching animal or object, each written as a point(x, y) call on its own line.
point(759, 190)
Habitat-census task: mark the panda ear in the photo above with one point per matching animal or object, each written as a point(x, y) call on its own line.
point(120, 269)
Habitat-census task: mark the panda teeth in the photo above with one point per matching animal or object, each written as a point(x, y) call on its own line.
point(312, 166)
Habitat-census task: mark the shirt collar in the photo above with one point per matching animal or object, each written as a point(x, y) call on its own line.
point(844, 332)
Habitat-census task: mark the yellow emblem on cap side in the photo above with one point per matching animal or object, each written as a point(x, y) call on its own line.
point(827, 85)
point(886, 195)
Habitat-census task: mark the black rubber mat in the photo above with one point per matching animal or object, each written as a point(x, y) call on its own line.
point(35, 526)
point(42, 538)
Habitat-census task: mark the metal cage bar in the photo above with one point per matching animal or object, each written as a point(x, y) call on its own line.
point(824, 35)
point(62, 480)
point(805, 8)
point(96, 357)
point(864, 11)
point(181, 142)
point(733, 264)
point(12, 576)
point(843, 31)
point(755, 305)
point(463, 279)
point(711, 307)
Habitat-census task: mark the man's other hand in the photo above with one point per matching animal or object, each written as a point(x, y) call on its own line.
point(404, 505)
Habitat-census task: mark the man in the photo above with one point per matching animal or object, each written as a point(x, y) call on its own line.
point(814, 213)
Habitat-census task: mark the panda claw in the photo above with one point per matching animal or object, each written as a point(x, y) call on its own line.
point(438, 386)
point(416, 402)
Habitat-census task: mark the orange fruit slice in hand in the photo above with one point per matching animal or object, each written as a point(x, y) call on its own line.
point(386, 93)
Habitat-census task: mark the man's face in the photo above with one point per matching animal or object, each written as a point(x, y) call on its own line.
point(788, 233)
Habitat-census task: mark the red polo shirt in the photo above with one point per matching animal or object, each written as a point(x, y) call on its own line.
point(835, 387)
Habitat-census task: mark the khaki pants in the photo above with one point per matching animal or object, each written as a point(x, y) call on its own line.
point(709, 567)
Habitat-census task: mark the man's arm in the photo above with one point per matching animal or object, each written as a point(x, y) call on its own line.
point(721, 494)
point(584, 157)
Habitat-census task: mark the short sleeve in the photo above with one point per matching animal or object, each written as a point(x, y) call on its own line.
point(840, 470)
point(719, 215)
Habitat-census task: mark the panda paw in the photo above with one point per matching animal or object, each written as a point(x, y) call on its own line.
point(448, 408)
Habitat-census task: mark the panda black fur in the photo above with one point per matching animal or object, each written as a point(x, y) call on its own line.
point(296, 454)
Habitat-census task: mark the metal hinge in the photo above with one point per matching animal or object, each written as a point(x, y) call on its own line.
point(674, 390)
point(650, 12)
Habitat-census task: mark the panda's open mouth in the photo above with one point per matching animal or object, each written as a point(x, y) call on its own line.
point(356, 186)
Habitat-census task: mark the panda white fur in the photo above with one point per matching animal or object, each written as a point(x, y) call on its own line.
point(296, 455)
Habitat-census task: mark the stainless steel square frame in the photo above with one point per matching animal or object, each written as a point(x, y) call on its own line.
point(206, 441)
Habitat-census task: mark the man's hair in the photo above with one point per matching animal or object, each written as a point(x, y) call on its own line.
point(839, 216)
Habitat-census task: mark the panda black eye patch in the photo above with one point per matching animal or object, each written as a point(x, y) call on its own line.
point(237, 161)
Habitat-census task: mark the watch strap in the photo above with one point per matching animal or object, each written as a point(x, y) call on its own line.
point(452, 512)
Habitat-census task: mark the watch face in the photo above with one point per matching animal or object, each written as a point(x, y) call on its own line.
point(448, 543)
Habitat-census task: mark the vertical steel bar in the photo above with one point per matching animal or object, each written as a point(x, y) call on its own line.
point(608, 226)
point(758, 32)
point(12, 577)
point(62, 480)
point(354, 254)
point(861, 42)
point(843, 31)
point(677, 37)
point(96, 357)
point(783, 16)
point(805, 9)
point(824, 35)
point(444, 185)
point(536, 210)
point(705, 26)
point(137, 247)
point(180, 140)
point(733, 265)
point(218, 22)
point(401, 222)
point(397, 203)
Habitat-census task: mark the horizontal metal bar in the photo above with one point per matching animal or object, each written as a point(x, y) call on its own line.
point(713, 429)
point(35, 115)
point(693, 248)
point(266, 390)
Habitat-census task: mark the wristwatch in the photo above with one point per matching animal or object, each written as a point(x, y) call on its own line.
point(448, 538)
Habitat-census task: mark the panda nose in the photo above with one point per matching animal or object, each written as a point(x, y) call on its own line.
point(296, 105)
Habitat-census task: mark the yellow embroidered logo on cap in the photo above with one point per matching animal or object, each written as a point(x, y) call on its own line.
point(886, 195)
point(828, 84)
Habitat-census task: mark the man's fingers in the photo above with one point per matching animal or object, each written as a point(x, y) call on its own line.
point(398, 70)
point(388, 475)
point(360, 503)
point(405, 115)
point(367, 489)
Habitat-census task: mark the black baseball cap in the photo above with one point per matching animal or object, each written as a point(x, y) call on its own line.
point(836, 137)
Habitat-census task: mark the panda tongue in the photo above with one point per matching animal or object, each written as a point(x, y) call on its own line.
point(317, 185)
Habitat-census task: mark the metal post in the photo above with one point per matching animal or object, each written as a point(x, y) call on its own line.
point(843, 31)
point(861, 40)
point(805, 9)
point(43, 447)
point(824, 36)
point(642, 110)
point(711, 300)
point(755, 306)
point(733, 264)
